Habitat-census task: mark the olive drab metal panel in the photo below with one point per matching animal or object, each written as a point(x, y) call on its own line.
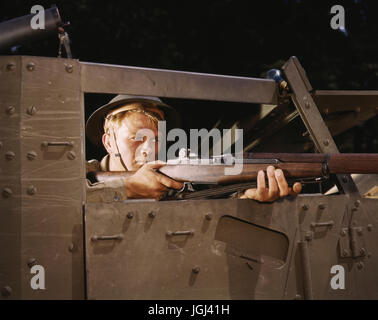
point(102, 78)
point(229, 249)
point(42, 175)
point(208, 249)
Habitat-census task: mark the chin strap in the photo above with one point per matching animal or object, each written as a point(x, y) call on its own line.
point(118, 156)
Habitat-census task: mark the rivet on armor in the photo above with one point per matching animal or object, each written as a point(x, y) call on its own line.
point(130, 215)
point(72, 247)
point(69, 68)
point(6, 291)
point(308, 236)
point(363, 251)
point(7, 192)
point(343, 233)
point(305, 207)
point(369, 227)
point(326, 142)
point(31, 190)
point(345, 252)
point(357, 203)
point(31, 110)
point(31, 155)
point(322, 206)
point(31, 262)
point(307, 104)
point(152, 214)
point(196, 269)
point(11, 66)
point(71, 155)
point(30, 66)
point(10, 110)
point(360, 265)
point(209, 216)
point(10, 155)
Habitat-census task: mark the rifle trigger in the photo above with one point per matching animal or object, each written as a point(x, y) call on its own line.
point(186, 187)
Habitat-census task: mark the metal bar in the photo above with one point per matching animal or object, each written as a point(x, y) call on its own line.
point(113, 237)
point(322, 224)
point(102, 78)
point(306, 265)
point(353, 242)
point(57, 144)
point(311, 117)
point(342, 100)
point(180, 233)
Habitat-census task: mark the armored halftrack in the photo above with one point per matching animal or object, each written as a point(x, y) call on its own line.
point(188, 249)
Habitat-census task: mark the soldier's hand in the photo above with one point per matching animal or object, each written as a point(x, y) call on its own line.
point(278, 187)
point(147, 183)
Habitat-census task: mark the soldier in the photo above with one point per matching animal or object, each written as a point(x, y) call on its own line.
point(115, 126)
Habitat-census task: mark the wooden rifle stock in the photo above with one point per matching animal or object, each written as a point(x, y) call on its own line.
point(294, 165)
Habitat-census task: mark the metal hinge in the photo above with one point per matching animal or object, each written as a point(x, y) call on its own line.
point(352, 243)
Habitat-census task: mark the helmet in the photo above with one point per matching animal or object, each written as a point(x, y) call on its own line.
point(95, 123)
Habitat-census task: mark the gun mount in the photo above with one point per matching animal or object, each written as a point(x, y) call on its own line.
point(190, 249)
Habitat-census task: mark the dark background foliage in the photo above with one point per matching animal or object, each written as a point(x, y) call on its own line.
point(243, 38)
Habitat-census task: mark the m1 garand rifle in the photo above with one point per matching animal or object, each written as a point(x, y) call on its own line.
point(305, 168)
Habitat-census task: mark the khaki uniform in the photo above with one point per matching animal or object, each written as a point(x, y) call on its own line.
point(106, 191)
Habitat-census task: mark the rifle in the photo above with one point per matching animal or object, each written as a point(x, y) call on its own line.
point(297, 167)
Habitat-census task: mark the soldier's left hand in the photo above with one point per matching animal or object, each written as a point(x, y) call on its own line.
point(278, 187)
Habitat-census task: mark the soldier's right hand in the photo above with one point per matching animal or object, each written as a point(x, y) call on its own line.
point(147, 183)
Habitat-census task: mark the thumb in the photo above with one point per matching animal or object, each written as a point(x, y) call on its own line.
point(249, 194)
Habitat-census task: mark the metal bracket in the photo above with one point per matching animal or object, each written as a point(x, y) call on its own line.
point(311, 117)
point(352, 243)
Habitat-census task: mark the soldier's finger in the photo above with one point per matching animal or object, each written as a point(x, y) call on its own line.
point(297, 188)
point(282, 183)
point(261, 186)
point(261, 180)
point(273, 187)
point(168, 182)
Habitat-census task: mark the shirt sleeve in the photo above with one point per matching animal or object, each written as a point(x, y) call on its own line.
point(106, 191)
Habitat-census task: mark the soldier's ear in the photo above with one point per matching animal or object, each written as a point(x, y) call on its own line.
point(106, 143)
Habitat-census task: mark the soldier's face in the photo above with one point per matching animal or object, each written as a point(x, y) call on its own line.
point(137, 140)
